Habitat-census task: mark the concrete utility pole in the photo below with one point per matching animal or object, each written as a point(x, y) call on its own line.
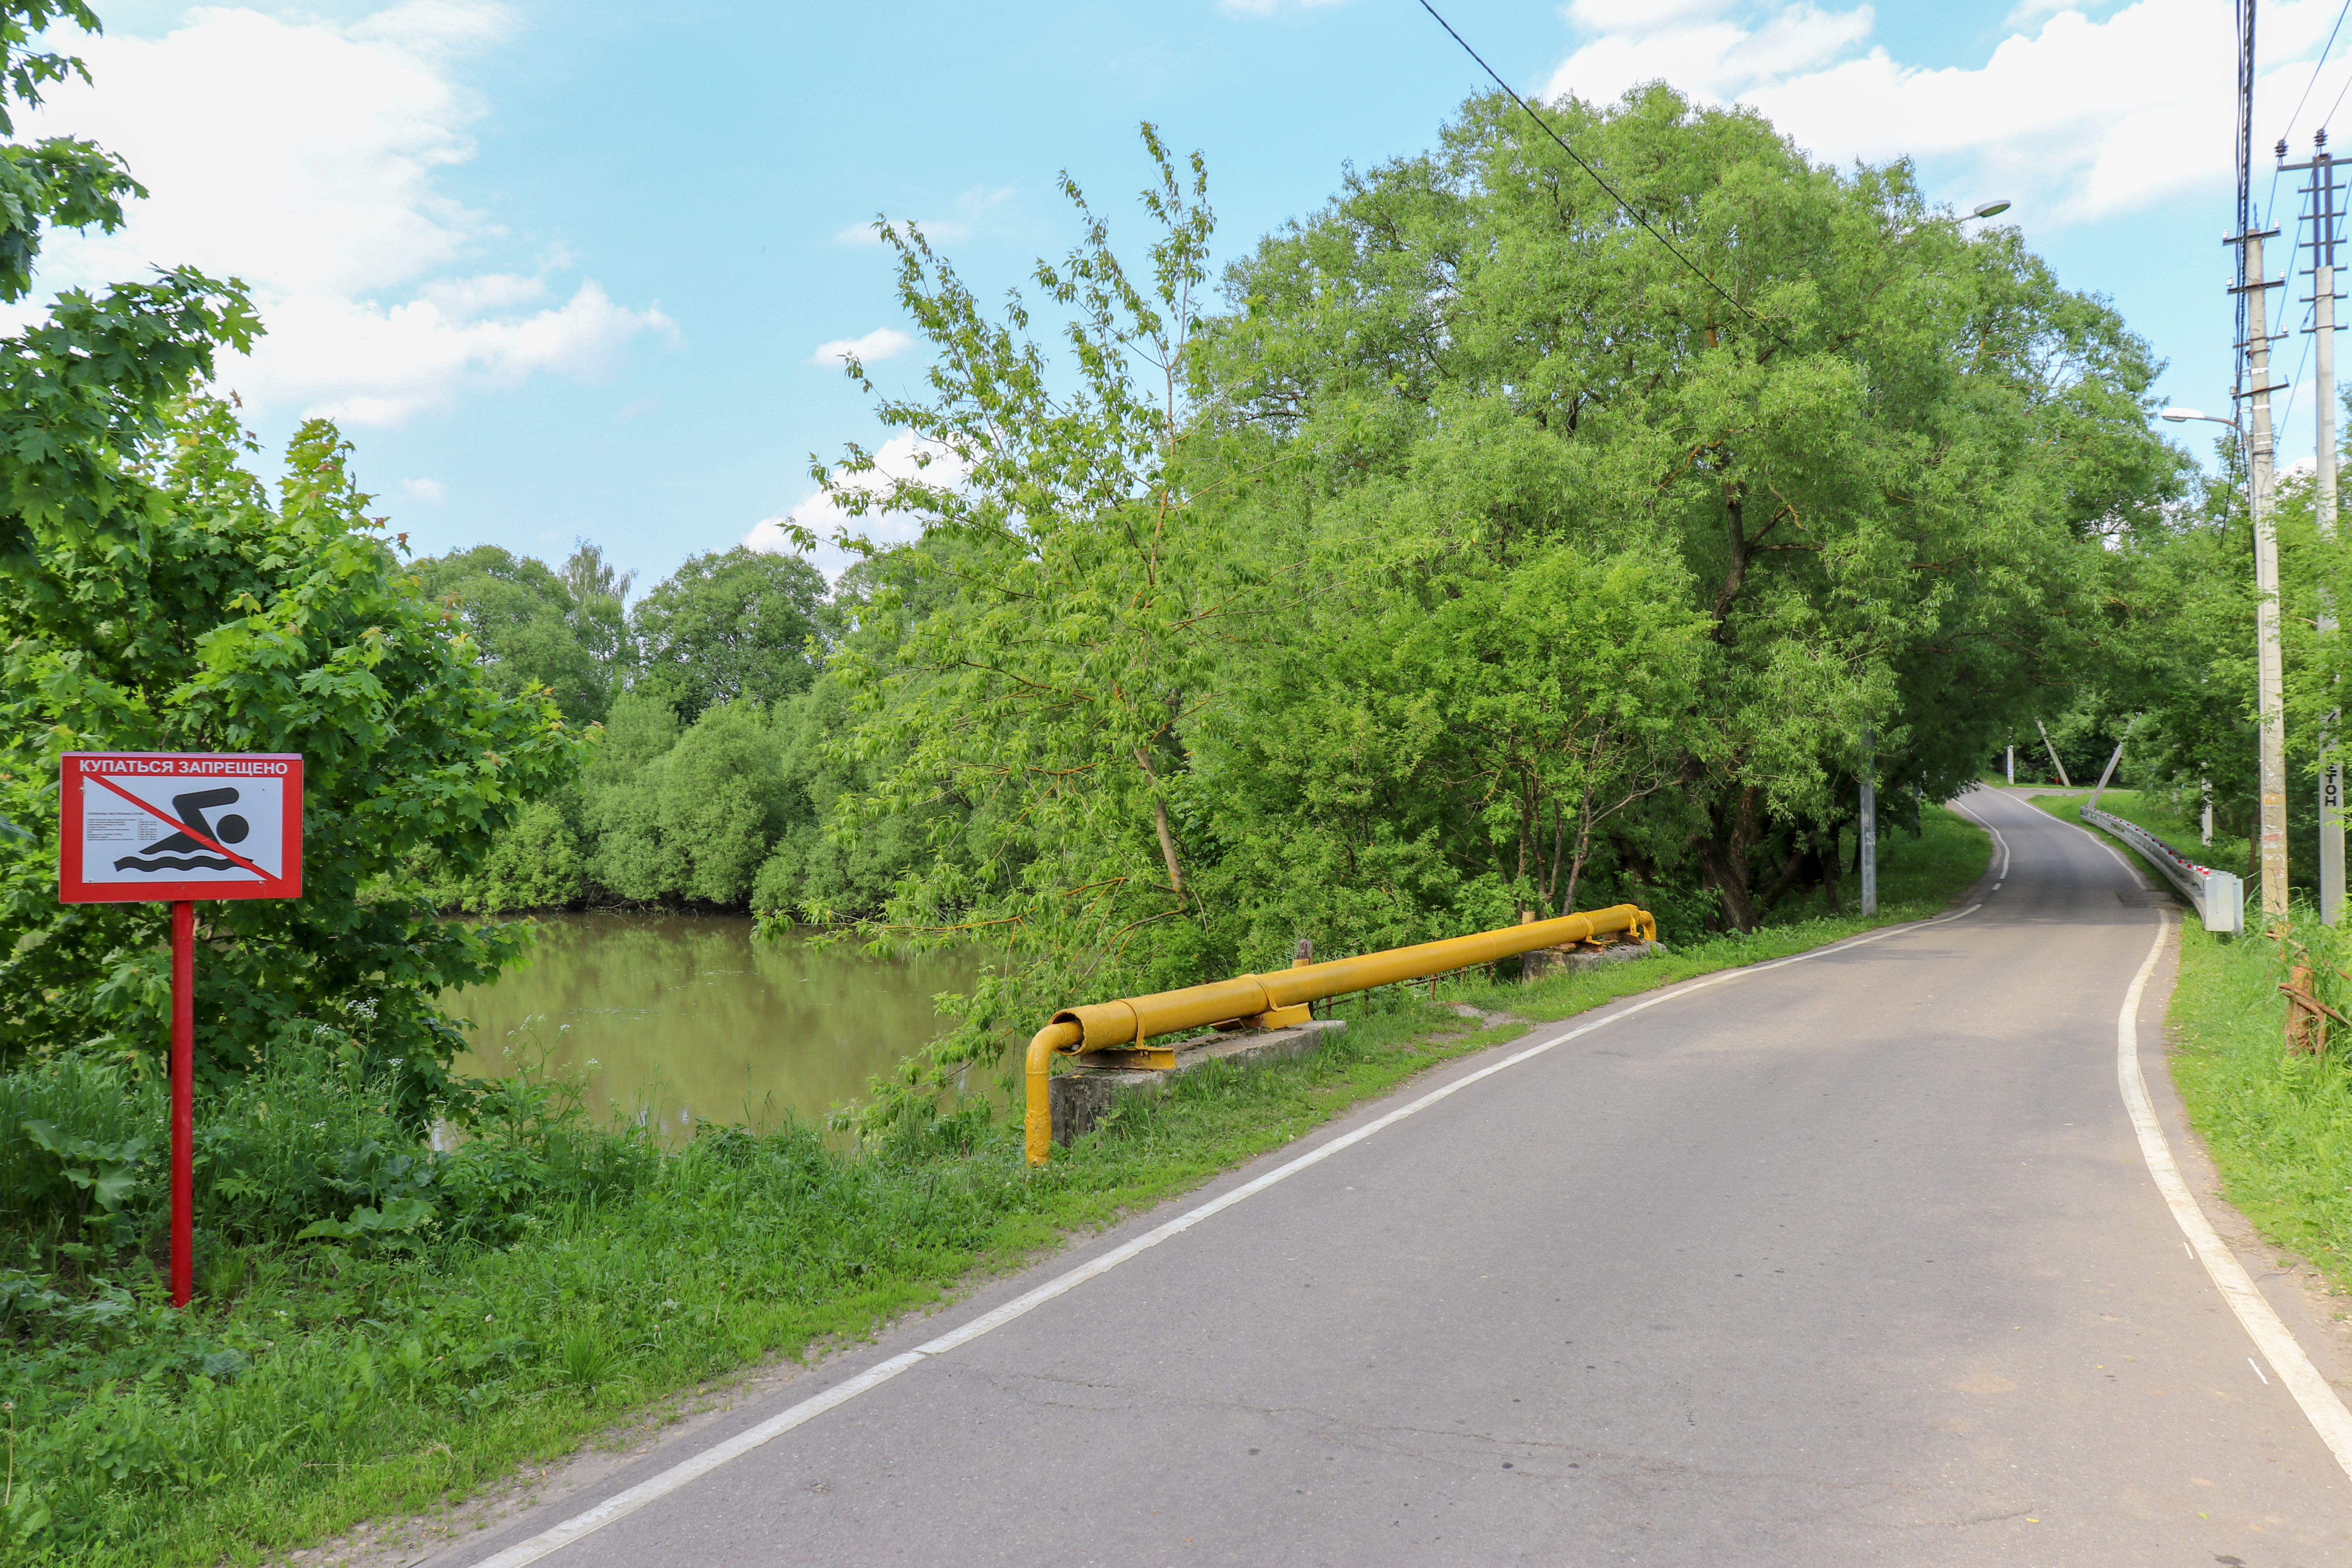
point(2253, 384)
point(2326, 216)
point(2270, 678)
point(2012, 764)
point(1866, 849)
point(2056, 765)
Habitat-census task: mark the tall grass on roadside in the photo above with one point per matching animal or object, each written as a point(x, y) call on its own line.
point(2277, 1123)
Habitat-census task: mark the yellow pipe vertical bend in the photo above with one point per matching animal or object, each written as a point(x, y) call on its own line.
point(1038, 1123)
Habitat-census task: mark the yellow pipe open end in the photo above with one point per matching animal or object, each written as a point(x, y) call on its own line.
point(1038, 1120)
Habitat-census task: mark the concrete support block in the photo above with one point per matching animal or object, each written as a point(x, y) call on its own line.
point(1547, 962)
point(1081, 1098)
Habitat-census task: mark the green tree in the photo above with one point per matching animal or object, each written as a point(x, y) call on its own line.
point(1027, 669)
point(1439, 753)
point(695, 820)
point(1888, 453)
point(525, 625)
point(97, 378)
point(536, 862)
point(245, 625)
point(825, 875)
point(600, 596)
point(733, 625)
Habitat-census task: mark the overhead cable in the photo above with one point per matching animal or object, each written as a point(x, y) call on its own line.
point(2316, 68)
point(1631, 211)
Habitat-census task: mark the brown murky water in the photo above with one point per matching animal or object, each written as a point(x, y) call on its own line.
point(690, 1018)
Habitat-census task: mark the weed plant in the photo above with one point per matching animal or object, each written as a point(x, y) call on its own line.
point(2277, 1123)
point(559, 1276)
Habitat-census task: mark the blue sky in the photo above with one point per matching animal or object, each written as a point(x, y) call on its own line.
point(565, 271)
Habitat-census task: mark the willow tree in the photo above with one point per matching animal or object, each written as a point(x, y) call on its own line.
point(1885, 449)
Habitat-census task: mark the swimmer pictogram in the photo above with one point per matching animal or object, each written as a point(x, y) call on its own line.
point(185, 850)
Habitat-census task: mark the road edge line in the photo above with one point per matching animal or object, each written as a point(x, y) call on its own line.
point(623, 1503)
point(2278, 1346)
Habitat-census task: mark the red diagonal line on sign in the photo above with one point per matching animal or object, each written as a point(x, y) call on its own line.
point(158, 813)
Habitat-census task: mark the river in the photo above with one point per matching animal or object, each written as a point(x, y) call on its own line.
point(692, 1017)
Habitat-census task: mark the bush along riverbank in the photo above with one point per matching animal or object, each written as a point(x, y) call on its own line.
point(382, 1326)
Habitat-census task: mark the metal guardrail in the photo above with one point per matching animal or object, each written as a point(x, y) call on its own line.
point(2218, 897)
point(1119, 1033)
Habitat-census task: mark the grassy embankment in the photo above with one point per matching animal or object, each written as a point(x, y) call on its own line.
point(2278, 1125)
point(319, 1383)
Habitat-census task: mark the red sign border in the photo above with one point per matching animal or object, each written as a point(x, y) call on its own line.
point(73, 889)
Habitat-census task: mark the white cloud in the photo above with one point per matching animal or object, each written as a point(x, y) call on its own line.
point(2071, 118)
point(881, 344)
point(301, 157)
point(820, 514)
point(973, 209)
point(432, 492)
point(370, 363)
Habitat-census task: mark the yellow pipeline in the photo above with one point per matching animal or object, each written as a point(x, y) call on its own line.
point(1106, 1025)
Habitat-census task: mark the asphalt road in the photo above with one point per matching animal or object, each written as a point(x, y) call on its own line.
point(1850, 1261)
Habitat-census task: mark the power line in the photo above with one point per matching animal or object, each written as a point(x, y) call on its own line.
point(2316, 68)
point(2338, 103)
point(1631, 211)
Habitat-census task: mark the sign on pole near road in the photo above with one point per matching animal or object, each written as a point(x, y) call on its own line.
point(174, 828)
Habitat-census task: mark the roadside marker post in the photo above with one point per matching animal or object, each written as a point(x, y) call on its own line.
point(174, 828)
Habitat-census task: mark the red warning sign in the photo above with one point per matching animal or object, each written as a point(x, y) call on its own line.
point(168, 826)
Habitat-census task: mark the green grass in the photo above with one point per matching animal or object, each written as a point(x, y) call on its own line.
point(2278, 1125)
point(320, 1384)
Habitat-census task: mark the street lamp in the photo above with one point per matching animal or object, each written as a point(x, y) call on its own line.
point(1990, 209)
point(2182, 416)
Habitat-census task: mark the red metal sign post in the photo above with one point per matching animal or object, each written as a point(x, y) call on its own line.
point(139, 826)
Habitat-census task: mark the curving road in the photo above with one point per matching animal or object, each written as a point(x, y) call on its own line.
point(1855, 1259)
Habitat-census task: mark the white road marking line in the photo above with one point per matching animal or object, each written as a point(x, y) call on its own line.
point(710, 1459)
point(622, 1504)
point(2258, 1370)
point(2280, 1348)
point(1997, 838)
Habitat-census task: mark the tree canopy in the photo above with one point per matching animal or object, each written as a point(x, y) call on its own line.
point(733, 625)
